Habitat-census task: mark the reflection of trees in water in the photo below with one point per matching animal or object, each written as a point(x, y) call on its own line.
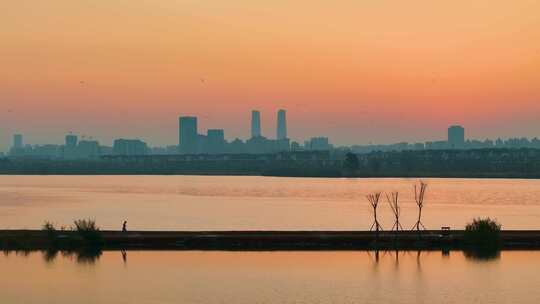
point(445, 252)
point(374, 255)
point(84, 256)
point(395, 255)
point(23, 253)
point(418, 264)
point(49, 255)
point(476, 254)
point(89, 256)
point(20, 252)
point(482, 254)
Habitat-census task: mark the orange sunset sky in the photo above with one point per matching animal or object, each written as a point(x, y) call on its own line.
point(357, 71)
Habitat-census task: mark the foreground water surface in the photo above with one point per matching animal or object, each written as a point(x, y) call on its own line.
point(251, 203)
point(269, 277)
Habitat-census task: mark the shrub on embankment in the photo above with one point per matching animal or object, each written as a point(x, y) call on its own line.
point(482, 234)
point(84, 233)
point(89, 232)
point(50, 229)
point(52, 234)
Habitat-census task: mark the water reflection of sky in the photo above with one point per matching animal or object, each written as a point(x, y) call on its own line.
point(251, 203)
point(268, 277)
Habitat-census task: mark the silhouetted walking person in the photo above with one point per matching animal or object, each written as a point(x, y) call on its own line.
point(124, 228)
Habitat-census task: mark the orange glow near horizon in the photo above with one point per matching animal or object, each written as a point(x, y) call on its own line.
point(356, 71)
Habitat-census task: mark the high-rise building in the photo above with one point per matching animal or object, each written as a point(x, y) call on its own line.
point(281, 125)
point(188, 137)
point(71, 140)
point(88, 149)
point(215, 141)
point(255, 123)
point(17, 141)
point(318, 144)
point(456, 137)
point(70, 148)
point(130, 147)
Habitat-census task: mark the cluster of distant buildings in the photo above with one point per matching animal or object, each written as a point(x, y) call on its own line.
point(73, 148)
point(191, 142)
point(455, 140)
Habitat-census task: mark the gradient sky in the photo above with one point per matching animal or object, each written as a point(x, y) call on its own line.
point(356, 71)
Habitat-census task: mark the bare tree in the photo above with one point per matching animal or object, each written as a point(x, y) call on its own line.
point(394, 205)
point(374, 201)
point(419, 192)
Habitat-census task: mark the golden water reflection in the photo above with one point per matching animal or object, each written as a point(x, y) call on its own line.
point(258, 203)
point(269, 277)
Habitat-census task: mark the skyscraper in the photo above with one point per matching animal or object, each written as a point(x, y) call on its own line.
point(70, 147)
point(456, 137)
point(129, 147)
point(71, 140)
point(188, 135)
point(255, 123)
point(17, 141)
point(88, 149)
point(319, 144)
point(281, 125)
point(215, 141)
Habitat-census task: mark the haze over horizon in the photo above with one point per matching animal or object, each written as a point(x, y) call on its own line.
point(357, 72)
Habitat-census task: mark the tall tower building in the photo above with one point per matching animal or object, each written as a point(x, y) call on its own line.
point(188, 137)
point(215, 141)
point(70, 148)
point(281, 125)
point(17, 141)
point(456, 137)
point(71, 140)
point(255, 123)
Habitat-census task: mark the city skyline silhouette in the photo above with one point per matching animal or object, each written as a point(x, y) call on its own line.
point(382, 72)
point(241, 151)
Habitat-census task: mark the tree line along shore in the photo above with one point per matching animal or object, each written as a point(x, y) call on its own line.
point(480, 163)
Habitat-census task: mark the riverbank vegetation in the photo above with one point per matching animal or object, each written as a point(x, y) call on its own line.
point(395, 207)
point(482, 238)
point(88, 234)
point(483, 233)
point(477, 163)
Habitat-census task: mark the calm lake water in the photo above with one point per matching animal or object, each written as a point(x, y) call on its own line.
point(251, 203)
point(269, 277)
